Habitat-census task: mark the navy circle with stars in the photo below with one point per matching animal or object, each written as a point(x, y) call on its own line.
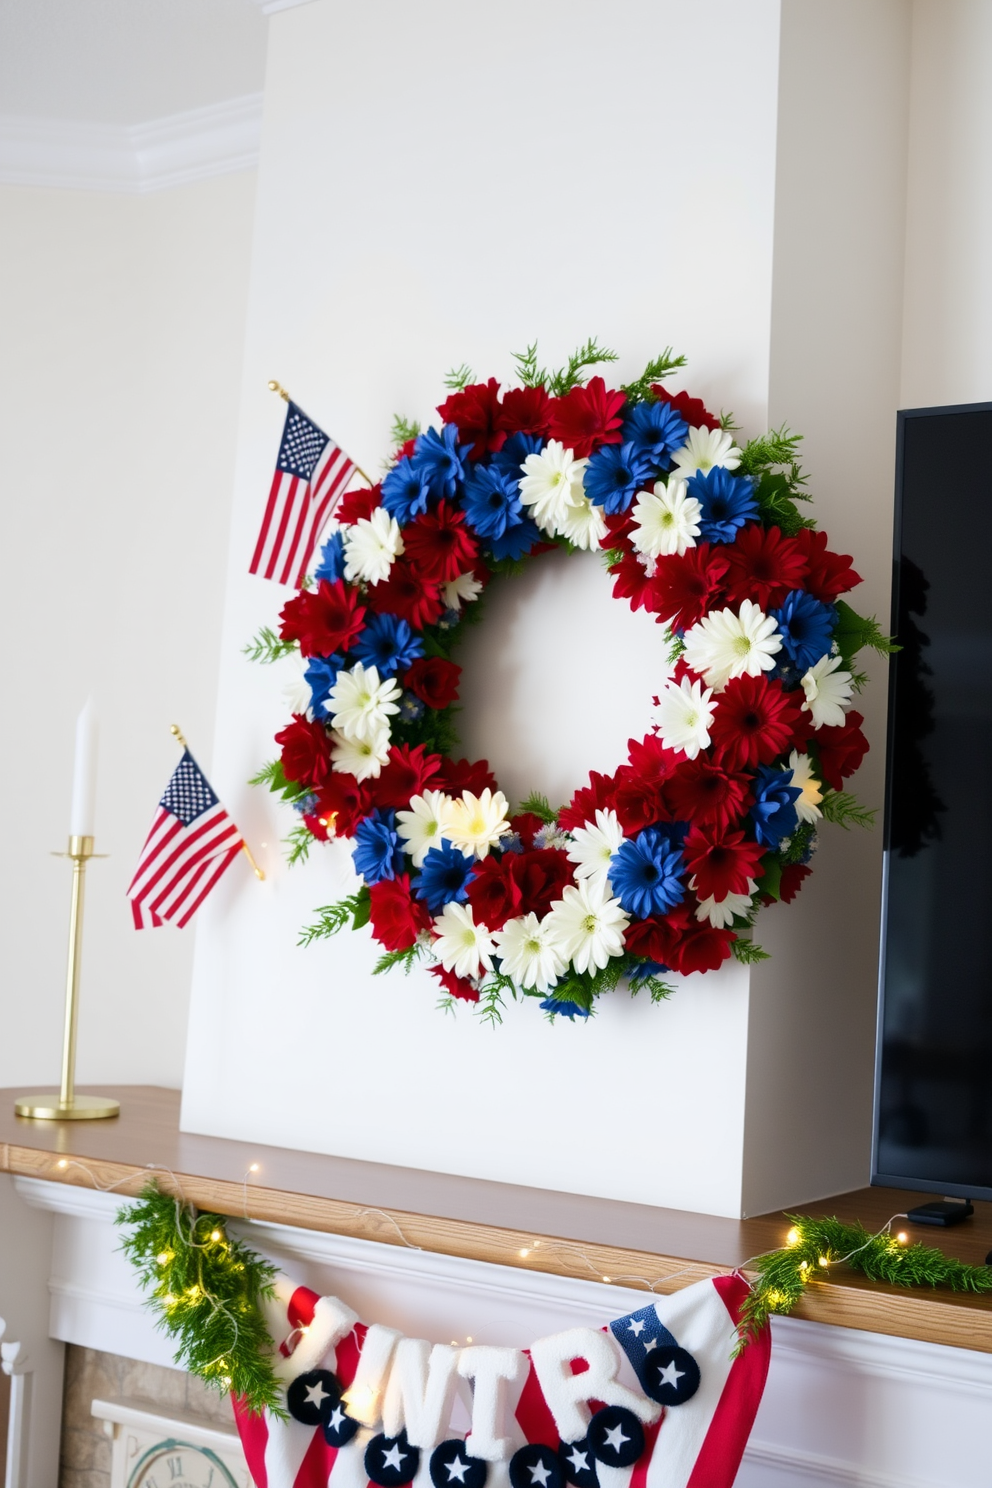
point(536, 1466)
point(670, 1375)
point(616, 1436)
point(578, 1463)
point(452, 1467)
point(390, 1461)
point(339, 1427)
point(312, 1396)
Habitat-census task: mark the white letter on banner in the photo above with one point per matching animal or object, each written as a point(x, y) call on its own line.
point(363, 1398)
point(488, 1367)
point(420, 1391)
point(331, 1321)
point(566, 1393)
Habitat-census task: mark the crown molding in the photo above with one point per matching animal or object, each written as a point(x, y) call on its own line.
point(132, 158)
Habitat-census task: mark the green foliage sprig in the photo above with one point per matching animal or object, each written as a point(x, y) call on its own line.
point(206, 1289)
point(856, 631)
point(747, 952)
point(458, 378)
point(272, 775)
point(658, 367)
point(298, 843)
point(334, 917)
point(402, 430)
point(566, 378)
point(846, 811)
point(267, 647)
point(537, 804)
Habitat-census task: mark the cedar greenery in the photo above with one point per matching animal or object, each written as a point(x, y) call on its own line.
point(402, 430)
point(537, 805)
point(298, 843)
point(459, 378)
point(747, 952)
point(266, 647)
point(846, 811)
point(566, 378)
point(657, 368)
point(334, 917)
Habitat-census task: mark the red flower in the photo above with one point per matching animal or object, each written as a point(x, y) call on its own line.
point(343, 802)
point(456, 776)
point(679, 942)
point(525, 411)
point(829, 574)
point(406, 774)
point(693, 410)
point(587, 417)
point(706, 794)
point(598, 795)
point(764, 566)
point(439, 544)
point(542, 875)
point(722, 862)
point(632, 582)
point(841, 749)
point(654, 938)
point(638, 802)
point(323, 620)
point(494, 892)
point(476, 412)
point(357, 504)
point(755, 721)
point(407, 593)
point(433, 680)
point(793, 875)
point(685, 589)
point(650, 759)
point(397, 918)
point(703, 948)
point(455, 986)
point(525, 824)
point(306, 752)
point(619, 526)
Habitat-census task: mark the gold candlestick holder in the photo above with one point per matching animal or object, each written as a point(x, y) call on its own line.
point(65, 1104)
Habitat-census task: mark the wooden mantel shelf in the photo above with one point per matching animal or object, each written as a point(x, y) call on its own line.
point(564, 1234)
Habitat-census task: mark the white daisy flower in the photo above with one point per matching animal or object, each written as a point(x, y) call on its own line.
point(704, 449)
point(296, 692)
point(827, 690)
point(359, 704)
point(666, 520)
point(808, 804)
point(528, 955)
point(725, 645)
point(363, 758)
point(586, 925)
point(721, 912)
point(551, 483)
point(461, 590)
point(584, 524)
point(593, 845)
point(425, 824)
point(476, 823)
point(683, 715)
point(462, 946)
point(370, 547)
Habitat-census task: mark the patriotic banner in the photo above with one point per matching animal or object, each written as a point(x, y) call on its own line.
point(192, 841)
point(311, 474)
point(656, 1399)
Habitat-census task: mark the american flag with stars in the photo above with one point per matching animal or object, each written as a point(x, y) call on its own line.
point(311, 474)
point(191, 842)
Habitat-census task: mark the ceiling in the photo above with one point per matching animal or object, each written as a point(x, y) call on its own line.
point(127, 61)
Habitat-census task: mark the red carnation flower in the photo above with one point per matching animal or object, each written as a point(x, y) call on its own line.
point(397, 918)
point(343, 802)
point(721, 862)
point(405, 774)
point(526, 824)
point(306, 752)
point(357, 504)
point(703, 948)
point(587, 417)
point(525, 411)
point(455, 986)
point(323, 620)
point(693, 410)
point(433, 680)
point(793, 876)
point(686, 588)
point(494, 892)
point(707, 794)
point(631, 582)
point(619, 526)
point(764, 566)
point(407, 593)
point(755, 721)
point(828, 574)
point(654, 938)
point(841, 749)
point(542, 875)
point(598, 795)
point(456, 776)
point(476, 412)
point(439, 544)
point(638, 802)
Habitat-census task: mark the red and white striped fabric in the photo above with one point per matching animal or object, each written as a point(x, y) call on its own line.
point(696, 1444)
point(310, 476)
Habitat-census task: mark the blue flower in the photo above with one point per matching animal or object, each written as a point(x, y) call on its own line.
point(492, 501)
point(388, 643)
point(655, 429)
point(806, 626)
point(445, 876)
point(645, 874)
point(516, 541)
point(515, 451)
point(320, 676)
point(449, 619)
point(615, 474)
point(727, 502)
point(405, 491)
point(331, 565)
point(439, 460)
point(305, 805)
point(411, 708)
point(378, 852)
point(774, 813)
point(564, 1008)
point(645, 969)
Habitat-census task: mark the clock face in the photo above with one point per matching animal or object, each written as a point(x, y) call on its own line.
point(176, 1464)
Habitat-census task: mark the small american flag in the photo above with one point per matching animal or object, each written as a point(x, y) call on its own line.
point(311, 474)
point(191, 842)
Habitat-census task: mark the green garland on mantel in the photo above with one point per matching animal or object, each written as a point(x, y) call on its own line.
point(208, 1288)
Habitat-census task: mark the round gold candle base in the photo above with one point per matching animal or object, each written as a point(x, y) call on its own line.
point(49, 1107)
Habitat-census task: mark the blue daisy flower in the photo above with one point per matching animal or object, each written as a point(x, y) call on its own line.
point(444, 877)
point(515, 451)
point(655, 429)
point(646, 874)
point(439, 460)
point(331, 565)
point(774, 813)
point(727, 502)
point(378, 852)
point(492, 501)
point(516, 541)
point(320, 676)
point(806, 627)
point(388, 644)
point(645, 969)
point(615, 474)
point(563, 1008)
point(411, 708)
point(405, 491)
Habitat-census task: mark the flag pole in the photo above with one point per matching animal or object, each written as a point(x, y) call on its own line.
point(277, 387)
point(177, 734)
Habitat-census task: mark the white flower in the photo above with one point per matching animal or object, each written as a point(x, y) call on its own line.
point(425, 824)
point(476, 823)
point(665, 520)
point(593, 845)
point(721, 912)
point(725, 645)
point(704, 449)
point(461, 590)
point(462, 946)
point(584, 524)
point(296, 692)
point(683, 715)
point(827, 690)
point(359, 704)
point(551, 483)
point(586, 925)
point(370, 546)
point(808, 804)
point(527, 953)
point(359, 757)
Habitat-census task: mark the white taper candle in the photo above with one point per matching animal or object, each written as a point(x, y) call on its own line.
point(84, 774)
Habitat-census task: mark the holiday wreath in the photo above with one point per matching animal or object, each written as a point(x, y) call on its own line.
point(662, 865)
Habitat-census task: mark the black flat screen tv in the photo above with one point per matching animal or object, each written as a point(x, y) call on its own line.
point(933, 1079)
